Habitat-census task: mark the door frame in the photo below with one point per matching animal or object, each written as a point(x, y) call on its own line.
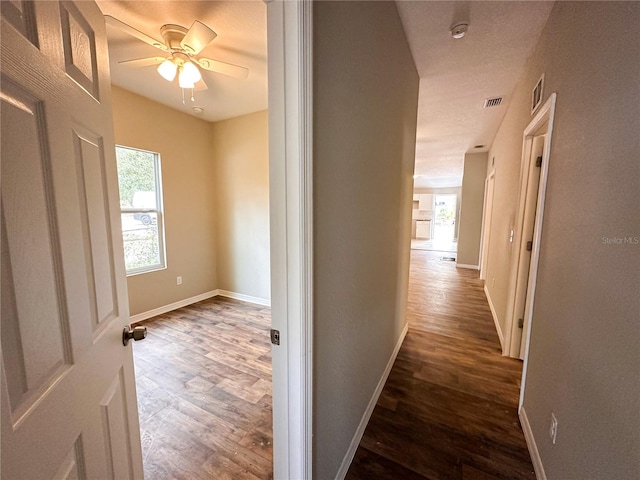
point(290, 61)
point(487, 214)
point(512, 346)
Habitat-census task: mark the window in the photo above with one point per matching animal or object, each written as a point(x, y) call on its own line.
point(141, 210)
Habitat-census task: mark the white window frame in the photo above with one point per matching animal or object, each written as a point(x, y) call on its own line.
point(158, 211)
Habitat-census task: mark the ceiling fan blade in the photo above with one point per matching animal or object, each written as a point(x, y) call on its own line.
point(114, 22)
point(201, 85)
point(198, 37)
point(223, 68)
point(143, 62)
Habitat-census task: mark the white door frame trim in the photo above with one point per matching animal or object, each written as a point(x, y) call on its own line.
point(485, 231)
point(290, 61)
point(545, 114)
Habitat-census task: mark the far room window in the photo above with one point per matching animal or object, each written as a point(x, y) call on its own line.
point(141, 208)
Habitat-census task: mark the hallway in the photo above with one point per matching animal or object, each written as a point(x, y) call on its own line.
point(449, 407)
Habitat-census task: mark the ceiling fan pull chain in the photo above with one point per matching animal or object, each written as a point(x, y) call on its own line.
point(193, 98)
point(183, 96)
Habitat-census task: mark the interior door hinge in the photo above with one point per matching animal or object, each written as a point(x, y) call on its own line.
point(539, 162)
point(275, 337)
point(529, 246)
point(520, 323)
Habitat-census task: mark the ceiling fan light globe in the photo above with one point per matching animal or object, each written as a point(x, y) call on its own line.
point(184, 80)
point(167, 70)
point(192, 72)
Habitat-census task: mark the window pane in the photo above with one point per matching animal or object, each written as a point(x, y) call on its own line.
point(140, 236)
point(141, 204)
point(136, 178)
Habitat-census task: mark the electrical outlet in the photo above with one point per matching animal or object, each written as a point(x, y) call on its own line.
point(179, 280)
point(553, 429)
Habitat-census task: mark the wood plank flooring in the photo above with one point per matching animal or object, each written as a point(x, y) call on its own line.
point(203, 376)
point(449, 407)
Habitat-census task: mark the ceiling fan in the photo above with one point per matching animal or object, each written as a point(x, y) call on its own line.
point(181, 47)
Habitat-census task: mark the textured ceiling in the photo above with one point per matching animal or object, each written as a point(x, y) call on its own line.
point(242, 40)
point(456, 76)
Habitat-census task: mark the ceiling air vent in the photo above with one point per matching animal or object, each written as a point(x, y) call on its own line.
point(492, 102)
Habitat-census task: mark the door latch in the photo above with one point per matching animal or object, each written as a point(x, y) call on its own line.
point(275, 337)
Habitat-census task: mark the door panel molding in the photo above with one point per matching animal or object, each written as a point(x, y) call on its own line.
point(96, 225)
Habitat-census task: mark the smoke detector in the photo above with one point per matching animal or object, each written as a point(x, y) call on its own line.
point(459, 30)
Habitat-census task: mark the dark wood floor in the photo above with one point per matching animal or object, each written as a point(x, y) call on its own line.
point(448, 410)
point(204, 392)
point(449, 407)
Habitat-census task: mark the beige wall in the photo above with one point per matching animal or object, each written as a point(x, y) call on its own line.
point(215, 183)
point(584, 360)
point(239, 149)
point(365, 104)
point(470, 220)
point(187, 175)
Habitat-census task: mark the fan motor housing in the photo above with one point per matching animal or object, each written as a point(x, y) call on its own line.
point(172, 36)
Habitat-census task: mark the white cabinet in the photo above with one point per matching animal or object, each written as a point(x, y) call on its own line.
point(423, 229)
point(425, 201)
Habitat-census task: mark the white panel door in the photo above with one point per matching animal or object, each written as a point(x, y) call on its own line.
point(68, 393)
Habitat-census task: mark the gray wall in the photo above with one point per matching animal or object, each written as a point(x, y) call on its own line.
point(470, 220)
point(584, 361)
point(365, 104)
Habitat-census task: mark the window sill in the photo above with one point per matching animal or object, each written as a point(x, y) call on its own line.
point(142, 271)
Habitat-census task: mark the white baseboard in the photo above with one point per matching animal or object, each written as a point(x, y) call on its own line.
point(245, 298)
point(172, 306)
point(198, 298)
point(351, 452)
point(531, 445)
point(464, 265)
point(495, 319)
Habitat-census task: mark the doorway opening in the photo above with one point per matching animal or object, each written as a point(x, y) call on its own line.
point(207, 358)
point(434, 221)
point(444, 237)
point(444, 218)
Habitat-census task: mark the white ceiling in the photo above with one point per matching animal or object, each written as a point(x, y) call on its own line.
point(242, 40)
point(456, 76)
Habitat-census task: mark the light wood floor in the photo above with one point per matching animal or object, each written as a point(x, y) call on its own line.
point(204, 392)
point(446, 246)
point(448, 409)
